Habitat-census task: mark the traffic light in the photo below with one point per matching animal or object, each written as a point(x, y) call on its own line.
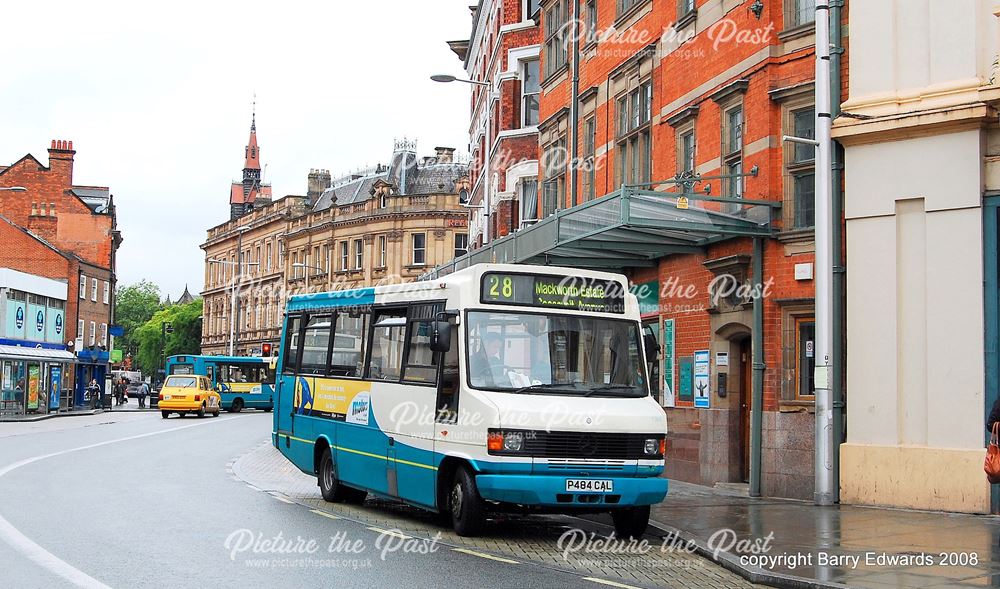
point(265, 349)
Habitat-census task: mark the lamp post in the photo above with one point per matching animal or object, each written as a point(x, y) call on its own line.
point(237, 278)
point(307, 266)
point(165, 328)
point(445, 78)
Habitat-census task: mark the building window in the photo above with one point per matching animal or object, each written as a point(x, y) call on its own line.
point(799, 13)
point(556, 54)
point(359, 254)
point(591, 21)
point(419, 249)
point(686, 150)
point(530, 8)
point(267, 251)
point(107, 292)
point(104, 334)
point(383, 200)
point(589, 153)
point(81, 330)
point(805, 357)
point(732, 134)
point(684, 8)
point(381, 251)
point(802, 169)
point(461, 244)
point(634, 139)
point(528, 201)
point(93, 289)
point(626, 5)
point(83, 286)
point(344, 256)
point(530, 87)
point(93, 332)
point(554, 188)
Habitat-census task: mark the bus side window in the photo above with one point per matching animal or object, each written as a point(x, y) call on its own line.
point(447, 401)
point(347, 351)
point(387, 344)
point(316, 343)
point(421, 362)
point(289, 364)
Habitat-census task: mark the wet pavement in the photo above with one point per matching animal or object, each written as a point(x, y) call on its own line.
point(794, 543)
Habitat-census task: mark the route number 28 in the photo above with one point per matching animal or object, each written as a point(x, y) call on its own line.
point(501, 287)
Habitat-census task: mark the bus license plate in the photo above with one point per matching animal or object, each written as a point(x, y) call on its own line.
point(590, 486)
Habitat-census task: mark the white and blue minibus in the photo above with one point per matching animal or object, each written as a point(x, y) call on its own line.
point(495, 388)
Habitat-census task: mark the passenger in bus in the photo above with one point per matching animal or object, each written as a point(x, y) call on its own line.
point(494, 366)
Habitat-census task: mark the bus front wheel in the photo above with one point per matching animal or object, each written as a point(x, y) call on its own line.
point(468, 510)
point(631, 522)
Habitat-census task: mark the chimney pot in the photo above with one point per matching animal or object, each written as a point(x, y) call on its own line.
point(70, 146)
point(53, 144)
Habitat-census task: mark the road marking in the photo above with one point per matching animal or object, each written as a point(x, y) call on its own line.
point(282, 499)
point(43, 557)
point(610, 583)
point(484, 555)
point(324, 514)
point(393, 533)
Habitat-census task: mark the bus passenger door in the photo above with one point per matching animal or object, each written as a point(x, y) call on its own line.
point(284, 387)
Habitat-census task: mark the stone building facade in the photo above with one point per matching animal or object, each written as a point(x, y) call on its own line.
point(386, 225)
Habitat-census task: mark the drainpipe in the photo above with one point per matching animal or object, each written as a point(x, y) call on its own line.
point(575, 105)
point(757, 357)
point(839, 267)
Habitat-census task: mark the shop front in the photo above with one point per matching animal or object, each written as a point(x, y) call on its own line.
point(33, 379)
point(91, 364)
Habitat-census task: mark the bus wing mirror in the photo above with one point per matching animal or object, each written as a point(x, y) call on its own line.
point(440, 336)
point(652, 348)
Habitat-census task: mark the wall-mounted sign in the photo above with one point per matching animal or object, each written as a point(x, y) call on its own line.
point(668, 363)
point(702, 358)
point(722, 359)
point(19, 317)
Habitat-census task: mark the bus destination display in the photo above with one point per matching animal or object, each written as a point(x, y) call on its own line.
point(558, 292)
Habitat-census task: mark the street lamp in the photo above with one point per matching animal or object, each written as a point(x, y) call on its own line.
point(237, 275)
point(303, 265)
point(165, 328)
point(446, 78)
point(13, 189)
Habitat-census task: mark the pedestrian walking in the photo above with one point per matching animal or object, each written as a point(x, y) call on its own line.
point(143, 393)
point(94, 391)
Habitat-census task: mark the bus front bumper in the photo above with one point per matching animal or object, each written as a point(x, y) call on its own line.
point(551, 491)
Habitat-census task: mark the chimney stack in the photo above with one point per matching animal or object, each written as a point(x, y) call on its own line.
point(318, 182)
point(61, 159)
point(444, 155)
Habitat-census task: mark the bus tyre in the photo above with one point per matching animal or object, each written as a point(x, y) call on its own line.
point(468, 510)
point(165, 414)
point(631, 522)
point(201, 412)
point(267, 409)
point(329, 487)
point(237, 405)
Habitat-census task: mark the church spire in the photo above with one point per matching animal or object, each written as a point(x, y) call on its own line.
point(252, 151)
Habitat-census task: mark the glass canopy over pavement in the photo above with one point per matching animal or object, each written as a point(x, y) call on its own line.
point(629, 228)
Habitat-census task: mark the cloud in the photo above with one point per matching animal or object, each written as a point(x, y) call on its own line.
point(157, 101)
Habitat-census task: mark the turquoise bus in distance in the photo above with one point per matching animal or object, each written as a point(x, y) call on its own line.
point(244, 382)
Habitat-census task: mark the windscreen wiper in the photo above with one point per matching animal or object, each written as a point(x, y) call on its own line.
point(611, 387)
point(545, 387)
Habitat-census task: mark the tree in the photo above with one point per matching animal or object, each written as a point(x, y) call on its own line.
point(185, 339)
point(134, 306)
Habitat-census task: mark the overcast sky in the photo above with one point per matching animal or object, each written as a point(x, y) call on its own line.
point(156, 98)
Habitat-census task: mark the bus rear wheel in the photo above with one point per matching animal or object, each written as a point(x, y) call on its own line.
point(237, 406)
point(631, 522)
point(468, 510)
point(329, 486)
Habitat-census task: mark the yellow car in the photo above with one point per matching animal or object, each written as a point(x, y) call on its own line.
point(188, 393)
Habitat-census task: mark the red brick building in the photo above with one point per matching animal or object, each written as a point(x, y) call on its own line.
point(694, 96)
point(69, 232)
point(502, 57)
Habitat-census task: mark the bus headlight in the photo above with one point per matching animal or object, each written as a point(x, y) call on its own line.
point(513, 441)
point(651, 447)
